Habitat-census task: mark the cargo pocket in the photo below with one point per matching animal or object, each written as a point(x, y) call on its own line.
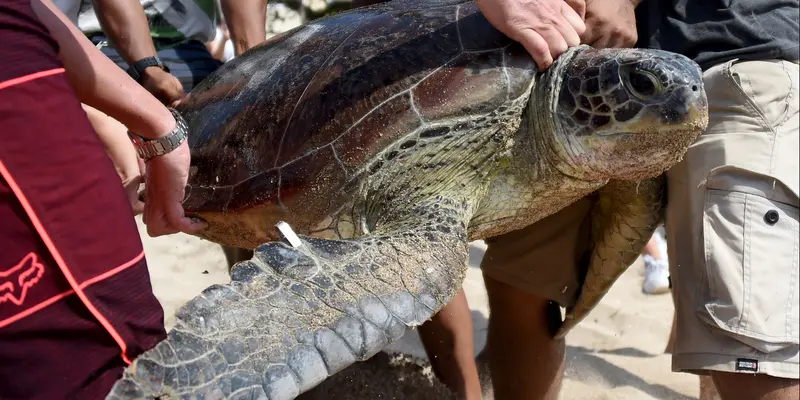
point(750, 287)
point(770, 97)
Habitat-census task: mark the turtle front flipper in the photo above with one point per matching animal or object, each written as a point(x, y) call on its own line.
point(623, 220)
point(292, 316)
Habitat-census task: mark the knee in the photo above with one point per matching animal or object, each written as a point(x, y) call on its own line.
point(516, 314)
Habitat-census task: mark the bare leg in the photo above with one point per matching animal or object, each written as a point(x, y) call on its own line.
point(651, 248)
point(736, 386)
point(525, 361)
point(448, 341)
point(707, 389)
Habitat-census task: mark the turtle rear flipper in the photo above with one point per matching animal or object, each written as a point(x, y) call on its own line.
point(623, 220)
point(292, 316)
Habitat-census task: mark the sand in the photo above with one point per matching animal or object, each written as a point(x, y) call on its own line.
point(616, 353)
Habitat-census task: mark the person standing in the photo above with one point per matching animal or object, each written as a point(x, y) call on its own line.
point(76, 304)
point(732, 207)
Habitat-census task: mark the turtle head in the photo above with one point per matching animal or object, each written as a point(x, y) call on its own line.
point(623, 114)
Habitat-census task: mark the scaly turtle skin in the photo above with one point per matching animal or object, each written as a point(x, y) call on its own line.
point(389, 137)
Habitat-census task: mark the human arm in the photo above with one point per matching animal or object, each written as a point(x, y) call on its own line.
point(246, 21)
point(546, 28)
point(125, 24)
point(99, 83)
point(121, 152)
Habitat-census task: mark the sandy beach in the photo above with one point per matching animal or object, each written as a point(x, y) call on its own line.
point(616, 353)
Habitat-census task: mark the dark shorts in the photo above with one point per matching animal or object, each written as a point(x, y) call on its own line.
point(188, 61)
point(547, 258)
point(76, 302)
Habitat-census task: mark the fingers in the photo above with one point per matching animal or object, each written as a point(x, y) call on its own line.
point(602, 36)
point(131, 188)
point(537, 47)
point(159, 227)
point(189, 225)
point(174, 93)
point(575, 21)
point(169, 220)
point(178, 220)
point(546, 28)
point(555, 40)
point(610, 24)
point(547, 43)
point(173, 221)
point(569, 36)
point(167, 88)
point(579, 6)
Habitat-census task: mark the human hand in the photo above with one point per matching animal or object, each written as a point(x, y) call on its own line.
point(163, 85)
point(131, 183)
point(610, 23)
point(165, 182)
point(546, 28)
point(579, 6)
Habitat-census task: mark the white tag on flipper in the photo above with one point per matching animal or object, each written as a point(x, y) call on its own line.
point(289, 234)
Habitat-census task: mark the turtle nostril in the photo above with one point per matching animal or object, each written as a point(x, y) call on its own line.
point(694, 88)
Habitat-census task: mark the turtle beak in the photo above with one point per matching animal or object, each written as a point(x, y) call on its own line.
point(688, 106)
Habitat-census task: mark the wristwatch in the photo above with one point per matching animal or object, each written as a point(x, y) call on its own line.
point(149, 148)
point(136, 70)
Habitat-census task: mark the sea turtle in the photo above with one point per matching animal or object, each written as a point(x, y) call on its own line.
point(388, 137)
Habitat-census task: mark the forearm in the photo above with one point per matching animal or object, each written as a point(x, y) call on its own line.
point(118, 147)
point(99, 82)
point(246, 21)
point(125, 24)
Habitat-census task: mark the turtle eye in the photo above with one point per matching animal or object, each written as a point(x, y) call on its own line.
point(644, 84)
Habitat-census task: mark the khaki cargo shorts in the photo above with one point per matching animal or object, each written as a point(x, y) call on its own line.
point(732, 226)
point(545, 258)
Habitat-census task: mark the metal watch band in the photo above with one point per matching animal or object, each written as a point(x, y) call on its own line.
point(135, 70)
point(148, 149)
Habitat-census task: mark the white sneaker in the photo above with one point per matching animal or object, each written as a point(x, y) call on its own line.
point(656, 275)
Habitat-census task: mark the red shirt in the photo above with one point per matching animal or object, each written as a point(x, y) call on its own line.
point(76, 302)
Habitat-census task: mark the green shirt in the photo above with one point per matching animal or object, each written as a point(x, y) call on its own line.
point(170, 20)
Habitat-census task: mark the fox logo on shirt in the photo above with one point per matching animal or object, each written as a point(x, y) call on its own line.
point(15, 282)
